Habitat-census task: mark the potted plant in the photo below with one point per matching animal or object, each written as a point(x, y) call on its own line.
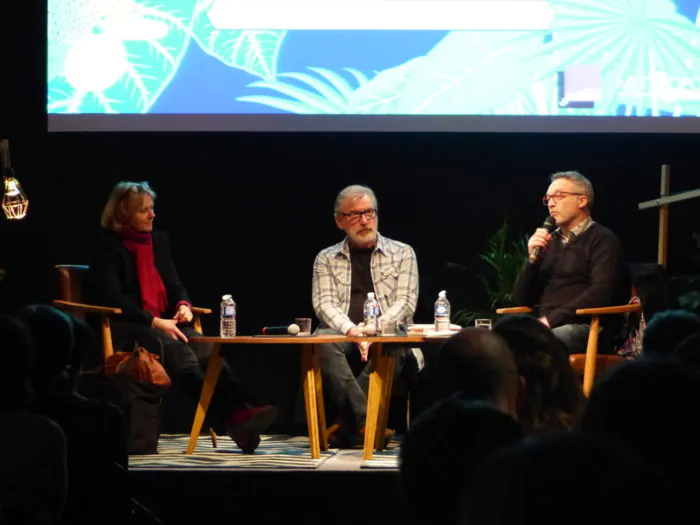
point(498, 268)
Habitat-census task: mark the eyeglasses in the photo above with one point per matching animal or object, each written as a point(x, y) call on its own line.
point(355, 216)
point(556, 197)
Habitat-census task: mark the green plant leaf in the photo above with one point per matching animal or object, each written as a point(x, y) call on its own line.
point(690, 300)
point(502, 260)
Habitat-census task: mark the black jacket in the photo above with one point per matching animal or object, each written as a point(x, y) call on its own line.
point(114, 281)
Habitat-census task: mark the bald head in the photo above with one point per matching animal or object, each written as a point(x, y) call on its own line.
point(479, 365)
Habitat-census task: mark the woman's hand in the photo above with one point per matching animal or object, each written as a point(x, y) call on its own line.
point(169, 326)
point(183, 314)
point(362, 346)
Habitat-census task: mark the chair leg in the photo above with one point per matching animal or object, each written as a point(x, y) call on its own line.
point(408, 410)
point(591, 356)
point(213, 437)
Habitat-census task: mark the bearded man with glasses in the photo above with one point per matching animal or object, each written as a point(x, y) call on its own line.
point(578, 265)
point(343, 274)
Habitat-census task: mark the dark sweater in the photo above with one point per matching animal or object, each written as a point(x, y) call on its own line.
point(585, 273)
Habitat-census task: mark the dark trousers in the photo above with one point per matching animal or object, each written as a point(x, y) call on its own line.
point(185, 364)
point(346, 379)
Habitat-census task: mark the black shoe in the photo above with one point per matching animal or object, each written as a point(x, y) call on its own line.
point(246, 426)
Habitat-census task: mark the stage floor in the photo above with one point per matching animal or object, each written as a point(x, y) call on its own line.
point(279, 483)
point(276, 452)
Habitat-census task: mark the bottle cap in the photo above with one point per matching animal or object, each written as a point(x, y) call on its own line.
point(226, 297)
point(442, 294)
point(370, 295)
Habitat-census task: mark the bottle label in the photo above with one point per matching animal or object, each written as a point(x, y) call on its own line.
point(229, 311)
point(442, 325)
point(441, 309)
point(371, 311)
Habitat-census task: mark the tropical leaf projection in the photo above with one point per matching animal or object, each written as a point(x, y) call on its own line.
point(647, 52)
point(253, 51)
point(469, 72)
point(383, 93)
point(326, 92)
point(118, 56)
point(113, 56)
point(646, 56)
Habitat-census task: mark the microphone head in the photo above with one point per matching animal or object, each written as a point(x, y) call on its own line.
point(293, 329)
point(550, 224)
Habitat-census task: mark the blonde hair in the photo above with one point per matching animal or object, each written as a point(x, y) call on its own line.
point(123, 203)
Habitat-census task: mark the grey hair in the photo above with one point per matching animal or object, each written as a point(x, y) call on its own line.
point(353, 192)
point(123, 202)
point(579, 180)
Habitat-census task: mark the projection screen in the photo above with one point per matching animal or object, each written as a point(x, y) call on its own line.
point(374, 65)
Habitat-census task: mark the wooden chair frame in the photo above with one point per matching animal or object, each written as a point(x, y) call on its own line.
point(70, 291)
point(590, 363)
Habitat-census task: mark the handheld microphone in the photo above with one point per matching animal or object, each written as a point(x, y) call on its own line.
point(549, 224)
point(292, 329)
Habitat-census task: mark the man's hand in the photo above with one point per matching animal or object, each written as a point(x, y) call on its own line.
point(354, 332)
point(169, 326)
point(540, 239)
point(183, 314)
point(544, 321)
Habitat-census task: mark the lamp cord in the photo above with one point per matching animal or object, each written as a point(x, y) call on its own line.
point(5, 153)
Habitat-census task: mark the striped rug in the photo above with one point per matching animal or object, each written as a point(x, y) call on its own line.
point(274, 452)
point(386, 459)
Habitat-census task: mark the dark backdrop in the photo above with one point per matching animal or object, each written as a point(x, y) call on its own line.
point(248, 213)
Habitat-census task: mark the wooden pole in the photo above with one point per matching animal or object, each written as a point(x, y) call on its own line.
point(662, 256)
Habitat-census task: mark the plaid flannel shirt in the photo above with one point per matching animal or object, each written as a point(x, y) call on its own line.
point(394, 275)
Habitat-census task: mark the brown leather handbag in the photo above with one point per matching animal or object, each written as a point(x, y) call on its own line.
point(139, 364)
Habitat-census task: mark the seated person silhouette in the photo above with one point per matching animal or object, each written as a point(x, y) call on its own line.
point(553, 398)
point(33, 472)
point(441, 451)
point(543, 478)
point(477, 365)
point(651, 404)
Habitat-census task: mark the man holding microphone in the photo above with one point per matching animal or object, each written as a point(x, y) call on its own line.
point(573, 262)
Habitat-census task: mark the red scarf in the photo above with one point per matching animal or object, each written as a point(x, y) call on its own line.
point(153, 292)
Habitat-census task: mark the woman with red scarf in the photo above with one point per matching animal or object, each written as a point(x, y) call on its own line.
point(132, 269)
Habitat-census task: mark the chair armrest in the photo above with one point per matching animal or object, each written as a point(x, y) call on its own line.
point(623, 309)
point(198, 310)
point(87, 308)
point(515, 310)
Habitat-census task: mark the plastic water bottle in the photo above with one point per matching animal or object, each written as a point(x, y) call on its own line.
point(227, 326)
point(371, 314)
point(442, 312)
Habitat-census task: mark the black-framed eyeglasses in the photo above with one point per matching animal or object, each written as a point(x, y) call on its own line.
point(355, 216)
point(556, 197)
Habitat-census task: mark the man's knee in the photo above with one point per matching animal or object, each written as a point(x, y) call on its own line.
point(574, 336)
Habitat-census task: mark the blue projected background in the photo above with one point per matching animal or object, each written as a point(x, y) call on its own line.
point(567, 58)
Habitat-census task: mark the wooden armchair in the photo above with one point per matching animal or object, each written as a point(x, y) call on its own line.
point(589, 364)
point(71, 279)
